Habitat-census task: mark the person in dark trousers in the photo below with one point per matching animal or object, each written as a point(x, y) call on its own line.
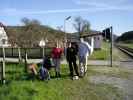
point(71, 54)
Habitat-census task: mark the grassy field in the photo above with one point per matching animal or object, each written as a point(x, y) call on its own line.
point(130, 45)
point(19, 88)
point(102, 54)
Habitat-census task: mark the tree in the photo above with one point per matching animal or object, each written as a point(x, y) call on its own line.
point(81, 25)
point(12, 36)
point(126, 37)
point(27, 21)
point(30, 33)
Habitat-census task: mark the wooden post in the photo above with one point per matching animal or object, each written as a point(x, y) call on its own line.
point(3, 66)
point(25, 60)
point(0, 72)
point(43, 51)
point(40, 52)
point(19, 55)
point(12, 51)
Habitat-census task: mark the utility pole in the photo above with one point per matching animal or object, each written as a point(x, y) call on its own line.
point(111, 47)
point(65, 31)
point(108, 34)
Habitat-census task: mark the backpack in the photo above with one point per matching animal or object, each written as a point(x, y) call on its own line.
point(44, 74)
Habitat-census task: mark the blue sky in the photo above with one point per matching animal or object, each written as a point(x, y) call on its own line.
point(100, 13)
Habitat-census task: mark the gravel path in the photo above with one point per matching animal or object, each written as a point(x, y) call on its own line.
point(124, 84)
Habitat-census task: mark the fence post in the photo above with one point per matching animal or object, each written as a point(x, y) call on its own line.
point(25, 60)
point(40, 52)
point(0, 72)
point(19, 54)
point(3, 66)
point(43, 52)
point(12, 51)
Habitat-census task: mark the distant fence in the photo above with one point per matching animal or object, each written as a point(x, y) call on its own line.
point(31, 52)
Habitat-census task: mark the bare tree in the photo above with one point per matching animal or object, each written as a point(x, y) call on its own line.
point(29, 33)
point(81, 25)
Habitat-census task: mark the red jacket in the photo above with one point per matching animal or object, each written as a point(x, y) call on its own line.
point(56, 52)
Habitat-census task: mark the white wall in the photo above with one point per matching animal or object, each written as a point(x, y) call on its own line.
point(3, 36)
point(97, 41)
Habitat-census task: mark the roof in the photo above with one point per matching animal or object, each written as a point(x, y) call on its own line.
point(91, 33)
point(1, 24)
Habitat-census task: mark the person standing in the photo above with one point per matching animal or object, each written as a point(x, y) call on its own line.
point(83, 52)
point(56, 57)
point(71, 59)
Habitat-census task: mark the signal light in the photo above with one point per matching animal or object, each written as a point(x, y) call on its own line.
point(107, 33)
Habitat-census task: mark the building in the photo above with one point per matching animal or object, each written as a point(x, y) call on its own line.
point(3, 36)
point(94, 38)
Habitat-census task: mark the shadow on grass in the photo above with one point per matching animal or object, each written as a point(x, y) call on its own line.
point(16, 76)
point(12, 72)
point(64, 76)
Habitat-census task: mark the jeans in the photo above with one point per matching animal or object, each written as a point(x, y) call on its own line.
point(56, 62)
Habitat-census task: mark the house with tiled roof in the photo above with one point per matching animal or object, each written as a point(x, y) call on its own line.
point(3, 36)
point(94, 38)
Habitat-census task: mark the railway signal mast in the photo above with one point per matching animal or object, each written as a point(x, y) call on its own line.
point(108, 34)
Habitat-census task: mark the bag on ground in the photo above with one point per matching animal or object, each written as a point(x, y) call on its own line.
point(44, 73)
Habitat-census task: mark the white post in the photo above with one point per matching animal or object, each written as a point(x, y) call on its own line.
point(92, 45)
point(19, 54)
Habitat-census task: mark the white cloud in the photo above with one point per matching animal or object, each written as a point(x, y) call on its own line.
point(105, 4)
point(30, 12)
point(94, 4)
point(99, 2)
point(97, 8)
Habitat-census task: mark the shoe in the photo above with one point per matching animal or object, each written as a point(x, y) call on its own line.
point(75, 78)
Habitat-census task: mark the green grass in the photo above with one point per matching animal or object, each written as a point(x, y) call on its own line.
point(18, 88)
point(130, 45)
point(102, 54)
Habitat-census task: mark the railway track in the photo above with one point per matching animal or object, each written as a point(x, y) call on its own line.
point(126, 50)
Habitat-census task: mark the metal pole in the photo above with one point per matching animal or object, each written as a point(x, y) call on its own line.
point(111, 33)
point(65, 38)
point(65, 31)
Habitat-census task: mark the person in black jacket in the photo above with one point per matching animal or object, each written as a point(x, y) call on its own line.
point(71, 59)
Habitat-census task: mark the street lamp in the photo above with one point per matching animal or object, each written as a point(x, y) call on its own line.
point(65, 29)
point(42, 44)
